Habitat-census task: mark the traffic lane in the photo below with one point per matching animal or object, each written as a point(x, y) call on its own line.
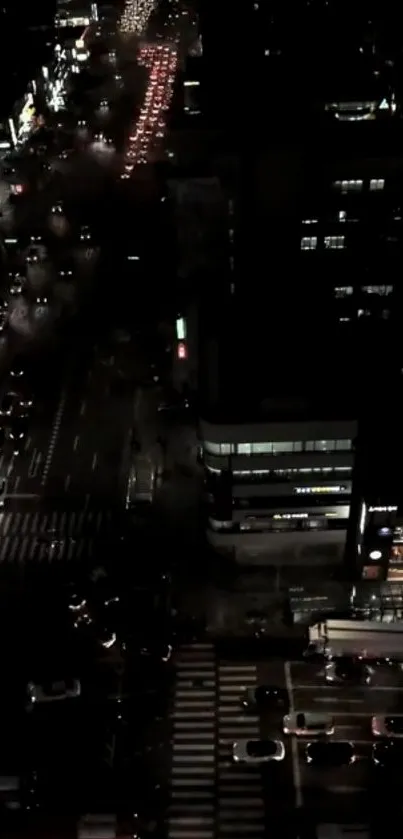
point(98, 448)
point(87, 455)
point(336, 792)
point(384, 694)
point(27, 466)
point(310, 674)
point(345, 791)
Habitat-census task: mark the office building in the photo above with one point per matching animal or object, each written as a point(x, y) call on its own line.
point(277, 433)
point(75, 13)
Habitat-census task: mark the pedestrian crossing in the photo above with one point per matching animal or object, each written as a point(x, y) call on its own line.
point(240, 804)
point(51, 537)
point(193, 773)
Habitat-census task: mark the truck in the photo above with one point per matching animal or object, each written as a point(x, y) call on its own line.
point(363, 639)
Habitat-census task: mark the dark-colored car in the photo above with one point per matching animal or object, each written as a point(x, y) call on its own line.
point(328, 754)
point(18, 433)
point(388, 754)
point(343, 670)
point(265, 696)
point(8, 403)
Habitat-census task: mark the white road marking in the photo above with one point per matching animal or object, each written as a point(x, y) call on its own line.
point(342, 789)
point(67, 482)
point(94, 461)
point(369, 688)
point(336, 699)
point(76, 442)
point(28, 442)
point(36, 464)
point(82, 409)
point(54, 436)
point(294, 746)
point(17, 481)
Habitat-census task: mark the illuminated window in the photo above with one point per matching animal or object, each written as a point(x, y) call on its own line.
point(223, 449)
point(310, 221)
point(381, 290)
point(343, 445)
point(349, 186)
point(283, 447)
point(309, 243)
point(343, 291)
point(335, 242)
point(262, 448)
point(376, 184)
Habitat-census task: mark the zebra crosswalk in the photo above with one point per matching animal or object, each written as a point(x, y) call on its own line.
point(51, 537)
point(240, 803)
point(193, 774)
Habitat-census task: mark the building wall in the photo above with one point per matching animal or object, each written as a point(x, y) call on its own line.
point(323, 548)
point(284, 507)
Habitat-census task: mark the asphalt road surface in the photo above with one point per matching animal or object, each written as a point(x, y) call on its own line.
point(91, 424)
point(210, 796)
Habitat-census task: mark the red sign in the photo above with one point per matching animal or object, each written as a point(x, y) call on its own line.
point(182, 352)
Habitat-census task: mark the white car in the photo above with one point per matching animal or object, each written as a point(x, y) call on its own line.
point(389, 726)
point(307, 723)
point(258, 751)
point(53, 691)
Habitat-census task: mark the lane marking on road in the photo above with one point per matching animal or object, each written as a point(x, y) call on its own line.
point(82, 409)
point(368, 688)
point(76, 442)
point(94, 462)
point(342, 789)
point(32, 463)
point(67, 482)
point(17, 482)
point(53, 437)
point(335, 699)
point(296, 770)
point(36, 464)
point(28, 444)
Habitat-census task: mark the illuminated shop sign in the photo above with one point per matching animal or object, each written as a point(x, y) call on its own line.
point(62, 22)
point(27, 115)
point(319, 490)
point(382, 509)
point(181, 329)
point(290, 516)
point(182, 352)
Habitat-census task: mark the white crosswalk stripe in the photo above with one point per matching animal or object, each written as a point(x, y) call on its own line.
point(240, 805)
point(193, 772)
point(50, 537)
